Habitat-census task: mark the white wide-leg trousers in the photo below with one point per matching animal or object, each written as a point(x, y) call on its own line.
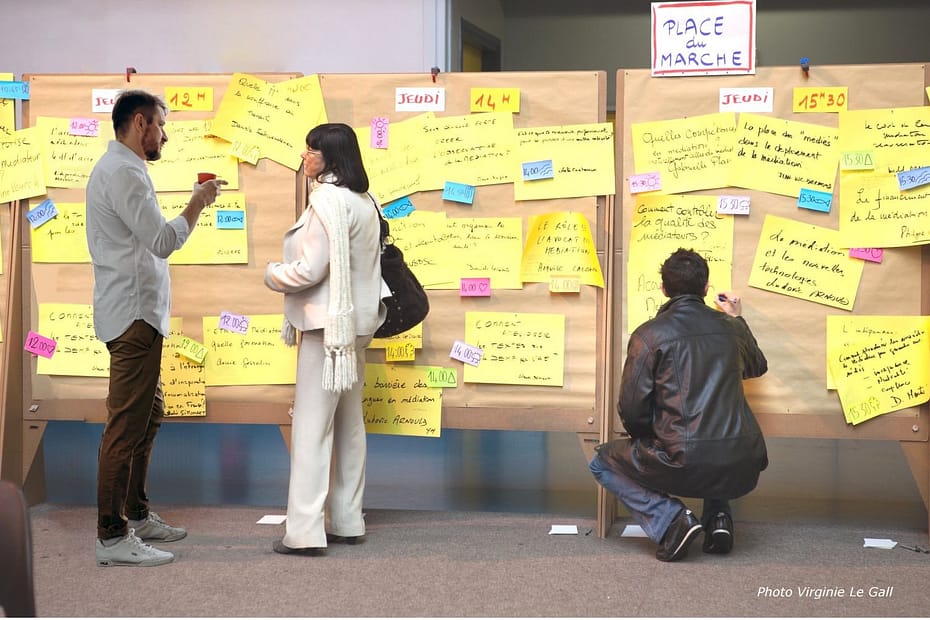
point(328, 451)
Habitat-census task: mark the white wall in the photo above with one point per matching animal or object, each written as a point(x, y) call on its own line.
point(222, 36)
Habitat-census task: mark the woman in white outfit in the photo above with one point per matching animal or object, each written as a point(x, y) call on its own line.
point(331, 280)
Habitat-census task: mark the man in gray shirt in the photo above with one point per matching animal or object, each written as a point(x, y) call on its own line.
point(130, 241)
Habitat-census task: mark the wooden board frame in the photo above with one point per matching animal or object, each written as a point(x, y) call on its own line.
point(791, 401)
point(549, 98)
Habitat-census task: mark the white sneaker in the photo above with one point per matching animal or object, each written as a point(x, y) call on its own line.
point(153, 528)
point(130, 551)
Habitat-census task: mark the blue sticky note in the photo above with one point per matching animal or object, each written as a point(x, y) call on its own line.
point(230, 219)
point(814, 200)
point(535, 170)
point(458, 192)
point(401, 207)
point(14, 90)
point(910, 179)
point(42, 213)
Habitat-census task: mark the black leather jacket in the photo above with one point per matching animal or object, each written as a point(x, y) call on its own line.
point(692, 433)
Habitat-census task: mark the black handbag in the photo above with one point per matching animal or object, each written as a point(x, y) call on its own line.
point(408, 304)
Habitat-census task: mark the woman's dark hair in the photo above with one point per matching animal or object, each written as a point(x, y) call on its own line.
point(130, 102)
point(685, 272)
point(342, 158)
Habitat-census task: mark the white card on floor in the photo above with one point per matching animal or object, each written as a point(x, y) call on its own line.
point(272, 520)
point(633, 531)
point(564, 529)
point(879, 543)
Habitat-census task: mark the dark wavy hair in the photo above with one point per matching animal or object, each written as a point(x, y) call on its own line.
point(129, 102)
point(685, 272)
point(342, 158)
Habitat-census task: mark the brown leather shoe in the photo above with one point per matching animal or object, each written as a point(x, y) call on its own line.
point(683, 531)
point(280, 547)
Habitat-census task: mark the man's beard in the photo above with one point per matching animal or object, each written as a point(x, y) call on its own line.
point(153, 154)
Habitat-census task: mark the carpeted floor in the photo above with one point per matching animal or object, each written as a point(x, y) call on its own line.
point(419, 563)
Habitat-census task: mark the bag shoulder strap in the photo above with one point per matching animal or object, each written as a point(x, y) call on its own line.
point(386, 238)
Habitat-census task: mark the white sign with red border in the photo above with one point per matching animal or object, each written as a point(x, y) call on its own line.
point(703, 38)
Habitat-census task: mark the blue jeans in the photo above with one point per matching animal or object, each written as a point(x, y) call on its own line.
point(653, 510)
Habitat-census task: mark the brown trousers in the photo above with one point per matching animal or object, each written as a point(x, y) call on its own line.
point(135, 407)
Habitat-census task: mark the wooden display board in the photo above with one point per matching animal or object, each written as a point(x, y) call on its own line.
point(198, 290)
point(546, 99)
point(274, 196)
point(791, 400)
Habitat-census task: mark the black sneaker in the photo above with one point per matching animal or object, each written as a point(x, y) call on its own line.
point(718, 534)
point(679, 535)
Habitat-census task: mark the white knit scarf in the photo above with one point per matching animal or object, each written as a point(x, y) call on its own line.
point(339, 363)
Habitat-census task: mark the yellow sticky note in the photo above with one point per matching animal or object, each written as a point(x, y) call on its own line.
point(396, 400)
point(422, 236)
point(487, 99)
point(518, 348)
point(192, 98)
point(878, 363)
point(67, 159)
point(805, 261)
point(474, 149)
point(582, 159)
point(21, 166)
point(396, 171)
point(246, 152)
point(565, 284)
point(888, 134)
point(484, 247)
point(414, 335)
point(191, 150)
point(182, 380)
point(7, 113)
point(79, 352)
point(783, 157)
point(258, 357)
point(690, 154)
point(273, 116)
point(191, 349)
point(214, 245)
point(560, 242)
point(63, 238)
point(819, 98)
point(875, 213)
point(402, 351)
point(661, 225)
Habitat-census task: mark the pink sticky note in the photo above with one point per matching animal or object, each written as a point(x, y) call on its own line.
point(379, 132)
point(647, 182)
point(475, 287)
point(38, 344)
point(84, 127)
point(874, 255)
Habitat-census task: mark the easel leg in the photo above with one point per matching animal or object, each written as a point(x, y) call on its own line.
point(286, 434)
point(606, 504)
point(917, 454)
point(33, 461)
